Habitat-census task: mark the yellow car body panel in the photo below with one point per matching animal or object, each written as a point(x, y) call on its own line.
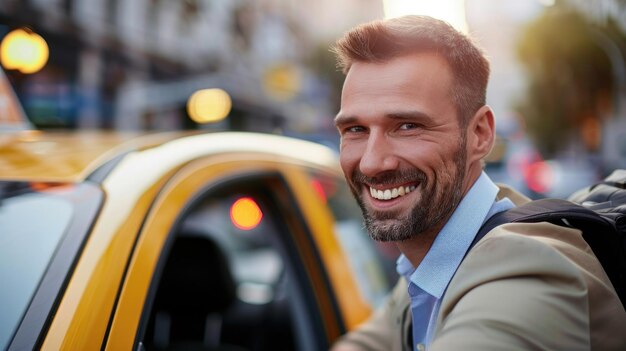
point(85, 309)
point(67, 157)
point(147, 181)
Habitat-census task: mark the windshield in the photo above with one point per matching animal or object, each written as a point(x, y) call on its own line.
point(34, 220)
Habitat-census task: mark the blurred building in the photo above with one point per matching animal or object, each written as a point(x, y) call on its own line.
point(118, 64)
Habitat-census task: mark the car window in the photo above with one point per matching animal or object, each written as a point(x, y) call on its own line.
point(372, 263)
point(231, 278)
point(35, 220)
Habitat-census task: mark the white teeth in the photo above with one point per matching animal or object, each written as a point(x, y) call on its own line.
point(389, 194)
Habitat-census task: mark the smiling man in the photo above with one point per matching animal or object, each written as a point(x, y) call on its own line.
point(414, 129)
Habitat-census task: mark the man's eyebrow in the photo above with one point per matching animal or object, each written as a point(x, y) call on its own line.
point(342, 119)
point(411, 115)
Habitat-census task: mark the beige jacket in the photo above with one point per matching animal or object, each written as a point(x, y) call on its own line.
point(524, 286)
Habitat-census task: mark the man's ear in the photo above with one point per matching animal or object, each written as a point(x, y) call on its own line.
point(481, 133)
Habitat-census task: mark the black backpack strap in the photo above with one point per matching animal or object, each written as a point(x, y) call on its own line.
point(556, 211)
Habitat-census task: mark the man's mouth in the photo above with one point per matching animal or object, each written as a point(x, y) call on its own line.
point(391, 193)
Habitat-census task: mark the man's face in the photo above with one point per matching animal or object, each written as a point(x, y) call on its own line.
point(402, 150)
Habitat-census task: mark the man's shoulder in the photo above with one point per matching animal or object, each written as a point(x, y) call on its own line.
point(527, 246)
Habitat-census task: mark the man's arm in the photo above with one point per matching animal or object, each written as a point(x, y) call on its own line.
point(383, 330)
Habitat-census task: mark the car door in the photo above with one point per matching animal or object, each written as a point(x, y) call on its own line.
point(281, 269)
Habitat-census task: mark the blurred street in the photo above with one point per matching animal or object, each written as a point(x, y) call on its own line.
point(557, 87)
point(170, 173)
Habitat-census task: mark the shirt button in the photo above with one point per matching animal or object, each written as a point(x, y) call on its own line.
point(420, 347)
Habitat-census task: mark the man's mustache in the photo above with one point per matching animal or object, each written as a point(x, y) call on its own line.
point(389, 177)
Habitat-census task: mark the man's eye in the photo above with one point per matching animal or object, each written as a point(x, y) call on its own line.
point(406, 126)
point(354, 129)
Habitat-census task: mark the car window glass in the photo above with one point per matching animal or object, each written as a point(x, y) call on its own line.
point(372, 263)
point(253, 259)
point(32, 225)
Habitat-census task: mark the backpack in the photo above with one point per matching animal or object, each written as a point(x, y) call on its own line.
point(599, 211)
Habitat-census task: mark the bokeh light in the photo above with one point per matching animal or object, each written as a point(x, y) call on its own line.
point(245, 214)
point(282, 82)
point(540, 177)
point(209, 105)
point(319, 189)
point(23, 50)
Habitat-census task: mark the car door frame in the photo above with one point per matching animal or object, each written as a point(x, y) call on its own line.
point(177, 195)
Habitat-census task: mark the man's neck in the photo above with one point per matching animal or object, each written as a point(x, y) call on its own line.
point(416, 248)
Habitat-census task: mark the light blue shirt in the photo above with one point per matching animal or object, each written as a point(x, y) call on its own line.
point(429, 281)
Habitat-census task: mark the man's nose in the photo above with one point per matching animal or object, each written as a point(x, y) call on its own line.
point(379, 156)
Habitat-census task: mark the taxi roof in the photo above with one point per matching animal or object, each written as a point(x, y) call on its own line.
point(67, 156)
point(39, 156)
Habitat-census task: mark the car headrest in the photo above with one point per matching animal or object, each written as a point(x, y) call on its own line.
point(196, 278)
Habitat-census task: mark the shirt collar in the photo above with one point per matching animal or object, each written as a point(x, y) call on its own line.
point(445, 255)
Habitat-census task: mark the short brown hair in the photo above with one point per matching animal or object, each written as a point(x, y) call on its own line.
point(382, 40)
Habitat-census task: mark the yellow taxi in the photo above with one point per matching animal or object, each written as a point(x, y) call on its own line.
point(224, 240)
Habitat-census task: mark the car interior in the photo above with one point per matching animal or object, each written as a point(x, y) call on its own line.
point(223, 288)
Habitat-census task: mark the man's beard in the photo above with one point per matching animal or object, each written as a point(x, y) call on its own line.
point(437, 200)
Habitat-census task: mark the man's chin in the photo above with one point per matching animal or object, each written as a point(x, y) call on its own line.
point(385, 216)
point(388, 232)
point(387, 229)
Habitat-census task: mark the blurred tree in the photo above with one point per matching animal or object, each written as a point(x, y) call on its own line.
point(570, 78)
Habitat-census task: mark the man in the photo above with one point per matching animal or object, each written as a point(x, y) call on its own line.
point(414, 128)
